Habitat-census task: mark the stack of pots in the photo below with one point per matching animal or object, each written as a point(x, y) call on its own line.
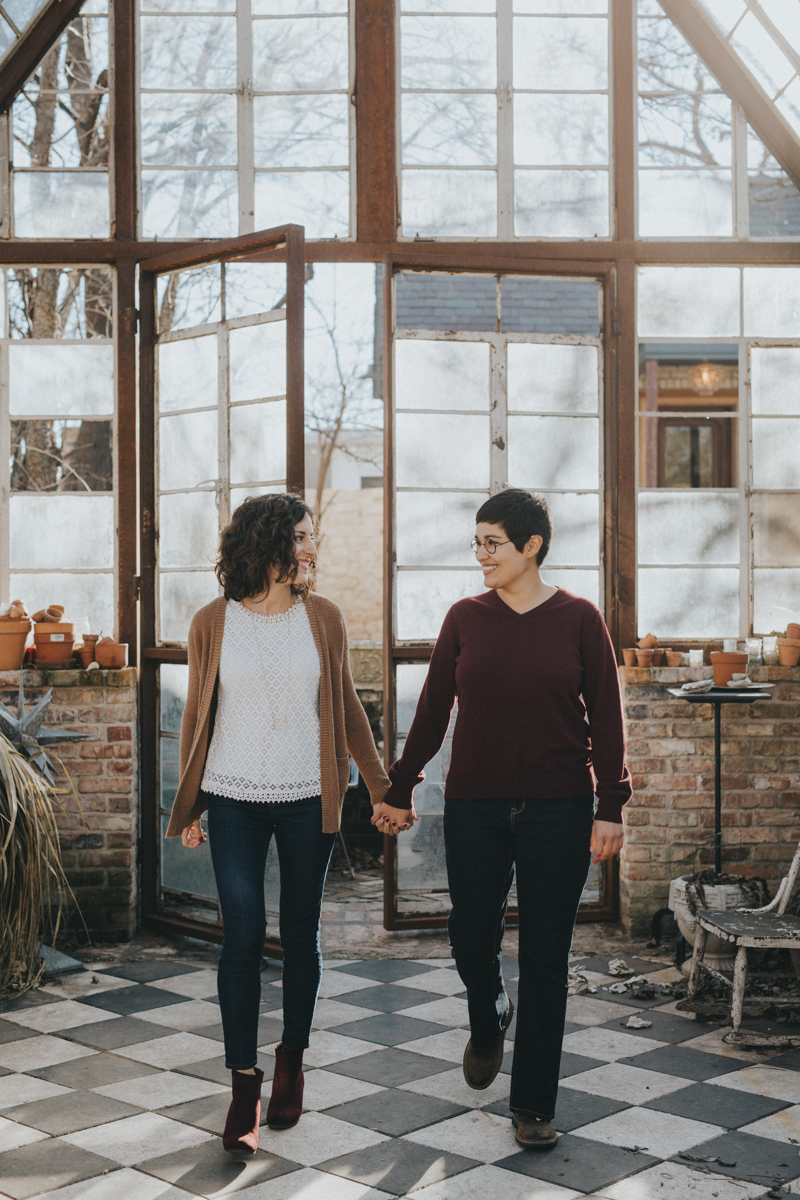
point(53, 637)
point(14, 629)
point(789, 647)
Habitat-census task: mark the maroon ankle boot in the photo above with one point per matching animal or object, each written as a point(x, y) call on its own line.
point(286, 1101)
point(244, 1114)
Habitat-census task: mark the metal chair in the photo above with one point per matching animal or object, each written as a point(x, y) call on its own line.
point(768, 928)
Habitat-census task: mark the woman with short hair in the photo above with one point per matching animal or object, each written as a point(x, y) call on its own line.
point(271, 719)
point(539, 731)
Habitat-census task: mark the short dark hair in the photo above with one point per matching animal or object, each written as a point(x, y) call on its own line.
point(259, 535)
point(521, 515)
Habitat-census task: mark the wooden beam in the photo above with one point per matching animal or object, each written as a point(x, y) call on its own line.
point(374, 98)
point(733, 76)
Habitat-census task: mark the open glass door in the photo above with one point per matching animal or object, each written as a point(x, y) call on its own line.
point(221, 387)
point(492, 380)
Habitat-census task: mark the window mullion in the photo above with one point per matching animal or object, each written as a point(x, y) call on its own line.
point(245, 123)
point(505, 121)
point(498, 398)
point(741, 200)
point(223, 428)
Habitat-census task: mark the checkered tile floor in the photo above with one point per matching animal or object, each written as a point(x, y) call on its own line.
point(113, 1087)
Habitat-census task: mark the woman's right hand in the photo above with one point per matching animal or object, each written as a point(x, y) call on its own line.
point(194, 835)
point(392, 820)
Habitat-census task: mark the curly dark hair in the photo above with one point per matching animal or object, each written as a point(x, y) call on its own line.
point(260, 534)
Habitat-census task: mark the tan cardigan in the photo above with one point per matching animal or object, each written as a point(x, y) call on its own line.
point(343, 725)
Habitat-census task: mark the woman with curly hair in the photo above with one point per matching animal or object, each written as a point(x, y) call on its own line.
point(271, 718)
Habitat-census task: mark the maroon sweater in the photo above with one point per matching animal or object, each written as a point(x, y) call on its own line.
point(526, 683)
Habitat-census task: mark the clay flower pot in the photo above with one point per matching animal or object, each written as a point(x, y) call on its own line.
point(86, 654)
point(788, 651)
point(111, 655)
point(658, 657)
point(629, 657)
point(673, 658)
point(644, 658)
point(726, 664)
point(13, 636)
point(793, 632)
point(648, 642)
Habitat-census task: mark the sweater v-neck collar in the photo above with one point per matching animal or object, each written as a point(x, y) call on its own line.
point(500, 602)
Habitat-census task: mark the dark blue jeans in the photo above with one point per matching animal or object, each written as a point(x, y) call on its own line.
point(239, 833)
point(547, 841)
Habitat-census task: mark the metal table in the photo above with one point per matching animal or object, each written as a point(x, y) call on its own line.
point(719, 696)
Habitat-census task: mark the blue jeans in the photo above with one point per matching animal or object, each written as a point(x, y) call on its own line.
point(547, 841)
point(239, 833)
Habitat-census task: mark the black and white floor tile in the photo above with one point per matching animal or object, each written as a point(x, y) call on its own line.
point(113, 1087)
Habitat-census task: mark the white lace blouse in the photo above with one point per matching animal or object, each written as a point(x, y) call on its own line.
point(265, 744)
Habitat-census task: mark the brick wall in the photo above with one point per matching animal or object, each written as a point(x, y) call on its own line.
point(670, 819)
point(100, 855)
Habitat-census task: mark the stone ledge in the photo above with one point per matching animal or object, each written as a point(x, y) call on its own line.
point(669, 676)
point(123, 678)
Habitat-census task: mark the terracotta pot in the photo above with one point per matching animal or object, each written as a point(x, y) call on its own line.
point(673, 658)
point(648, 642)
point(726, 664)
point(658, 657)
point(629, 657)
point(54, 653)
point(644, 658)
point(86, 654)
point(49, 631)
point(793, 631)
point(788, 652)
point(13, 636)
point(111, 656)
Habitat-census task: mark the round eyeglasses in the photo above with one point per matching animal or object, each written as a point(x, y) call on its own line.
point(490, 545)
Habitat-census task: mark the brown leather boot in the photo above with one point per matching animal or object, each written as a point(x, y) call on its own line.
point(244, 1114)
point(534, 1133)
point(286, 1101)
point(481, 1066)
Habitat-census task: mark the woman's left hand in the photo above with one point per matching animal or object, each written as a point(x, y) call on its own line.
point(387, 819)
point(607, 838)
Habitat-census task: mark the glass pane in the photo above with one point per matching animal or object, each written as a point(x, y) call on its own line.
point(561, 6)
point(190, 204)
point(775, 601)
point(688, 602)
point(464, 302)
point(696, 453)
point(188, 52)
point(252, 288)
point(435, 528)
point(84, 302)
point(188, 529)
point(443, 6)
point(553, 452)
point(302, 131)
point(409, 680)
point(318, 200)
point(187, 450)
point(762, 55)
point(561, 52)
point(421, 859)
point(576, 531)
point(258, 442)
point(774, 204)
point(300, 55)
point(561, 204)
point(258, 361)
point(442, 375)
point(196, 129)
point(771, 301)
point(553, 378)
point(688, 528)
point(61, 380)
point(725, 12)
point(182, 870)
point(64, 204)
point(289, 7)
point(187, 373)
point(447, 129)
point(448, 52)
point(420, 439)
point(775, 379)
point(685, 203)
point(89, 596)
point(61, 456)
point(688, 302)
point(170, 770)
point(62, 531)
point(180, 596)
point(549, 305)
point(776, 530)
point(450, 203)
point(423, 598)
point(561, 130)
point(173, 688)
point(688, 128)
point(189, 298)
point(580, 583)
point(776, 453)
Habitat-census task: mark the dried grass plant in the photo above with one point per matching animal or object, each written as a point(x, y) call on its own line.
point(33, 886)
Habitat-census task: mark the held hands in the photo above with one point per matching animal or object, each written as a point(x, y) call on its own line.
point(606, 840)
point(193, 835)
point(392, 820)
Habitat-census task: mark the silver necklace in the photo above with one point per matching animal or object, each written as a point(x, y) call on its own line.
point(277, 723)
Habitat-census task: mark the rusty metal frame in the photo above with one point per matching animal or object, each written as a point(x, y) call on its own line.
point(32, 47)
point(606, 274)
point(288, 243)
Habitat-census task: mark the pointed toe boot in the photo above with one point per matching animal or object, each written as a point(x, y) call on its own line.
point(244, 1114)
point(286, 1101)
